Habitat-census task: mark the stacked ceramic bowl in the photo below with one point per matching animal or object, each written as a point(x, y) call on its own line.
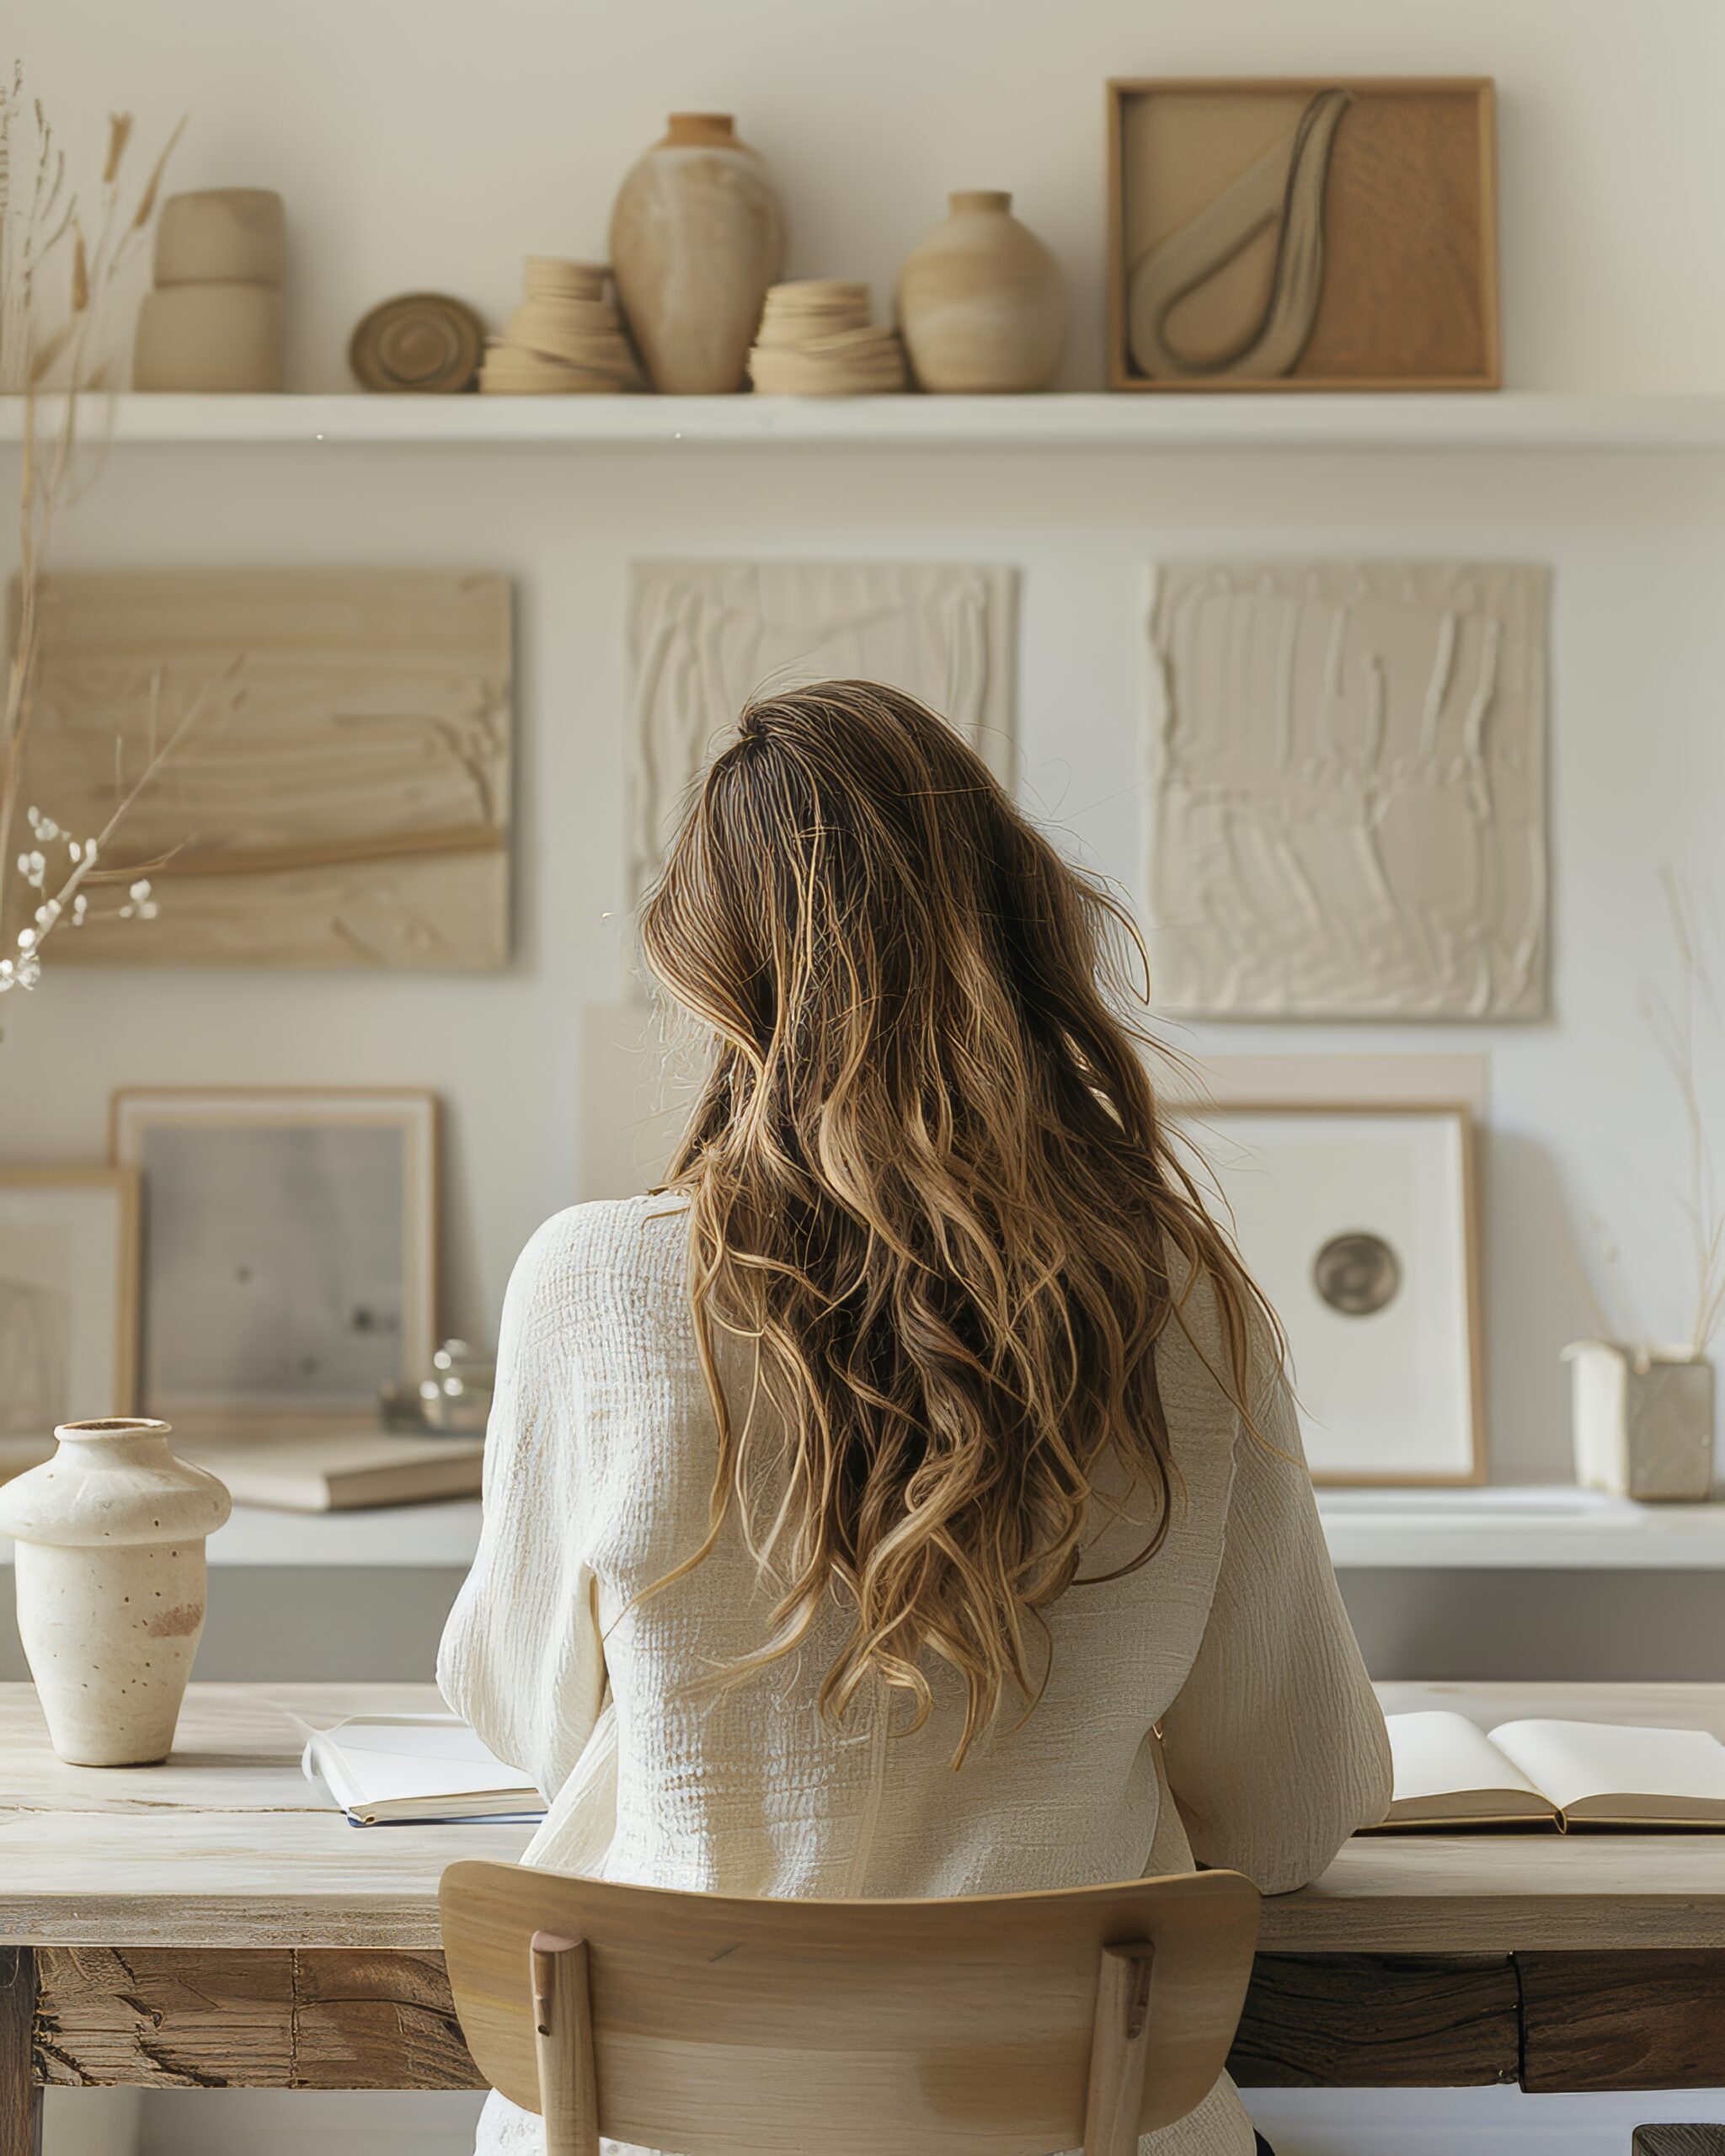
point(566, 338)
point(816, 339)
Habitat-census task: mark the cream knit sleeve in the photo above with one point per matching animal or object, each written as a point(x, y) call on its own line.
point(522, 1655)
point(1275, 1749)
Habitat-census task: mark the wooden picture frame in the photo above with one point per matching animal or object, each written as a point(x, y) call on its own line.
point(60, 1360)
point(290, 1259)
point(1284, 1259)
point(1331, 290)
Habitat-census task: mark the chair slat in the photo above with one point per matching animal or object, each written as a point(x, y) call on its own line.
point(1119, 2050)
point(562, 2044)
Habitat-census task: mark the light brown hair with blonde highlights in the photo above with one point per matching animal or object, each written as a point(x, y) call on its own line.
point(928, 1178)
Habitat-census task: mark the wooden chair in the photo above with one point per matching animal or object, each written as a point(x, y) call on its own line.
point(1007, 2025)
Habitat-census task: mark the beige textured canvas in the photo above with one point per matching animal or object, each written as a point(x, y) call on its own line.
point(1347, 789)
point(705, 636)
point(351, 808)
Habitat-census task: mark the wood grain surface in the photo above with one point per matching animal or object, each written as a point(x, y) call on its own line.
point(175, 1855)
point(20, 2099)
point(1378, 2021)
point(313, 2019)
point(213, 1918)
point(344, 800)
point(237, 1748)
point(1617, 2020)
point(247, 2019)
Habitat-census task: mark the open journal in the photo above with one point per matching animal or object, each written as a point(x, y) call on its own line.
point(386, 1770)
point(1450, 1773)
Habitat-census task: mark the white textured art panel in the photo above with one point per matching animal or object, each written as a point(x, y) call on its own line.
point(705, 636)
point(1346, 777)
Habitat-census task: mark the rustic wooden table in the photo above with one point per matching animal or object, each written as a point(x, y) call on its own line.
point(211, 1922)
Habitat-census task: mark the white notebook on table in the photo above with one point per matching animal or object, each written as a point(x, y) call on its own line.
point(1450, 1773)
point(390, 1771)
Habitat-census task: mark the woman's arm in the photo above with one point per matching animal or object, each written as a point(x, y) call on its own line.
point(1275, 1748)
point(522, 1655)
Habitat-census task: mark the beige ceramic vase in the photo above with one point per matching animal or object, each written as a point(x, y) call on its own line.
point(225, 338)
point(110, 1556)
point(982, 304)
point(696, 236)
point(215, 320)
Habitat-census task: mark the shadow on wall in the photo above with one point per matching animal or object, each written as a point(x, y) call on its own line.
point(289, 1625)
point(1534, 1261)
point(1583, 1627)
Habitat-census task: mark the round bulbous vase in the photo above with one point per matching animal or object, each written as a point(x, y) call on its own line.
point(981, 302)
point(696, 236)
point(110, 1583)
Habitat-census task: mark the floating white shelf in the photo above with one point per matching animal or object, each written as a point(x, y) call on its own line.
point(1546, 1528)
point(442, 1536)
point(1505, 1529)
point(1514, 419)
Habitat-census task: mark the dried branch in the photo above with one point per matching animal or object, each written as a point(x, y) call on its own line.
point(39, 339)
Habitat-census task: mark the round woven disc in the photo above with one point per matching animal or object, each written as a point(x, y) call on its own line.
point(423, 341)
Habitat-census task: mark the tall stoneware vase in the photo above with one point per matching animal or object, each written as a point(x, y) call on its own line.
point(696, 236)
point(110, 1555)
point(982, 304)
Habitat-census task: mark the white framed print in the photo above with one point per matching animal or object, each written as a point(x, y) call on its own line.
point(1359, 1225)
point(290, 1247)
point(68, 1303)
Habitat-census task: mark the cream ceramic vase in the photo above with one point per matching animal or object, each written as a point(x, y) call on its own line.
point(226, 338)
point(982, 304)
point(110, 1556)
point(696, 236)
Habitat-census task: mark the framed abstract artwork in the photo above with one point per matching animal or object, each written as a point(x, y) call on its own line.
point(290, 1247)
point(1332, 232)
point(343, 796)
point(1359, 1225)
point(68, 1303)
point(704, 636)
point(1346, 768)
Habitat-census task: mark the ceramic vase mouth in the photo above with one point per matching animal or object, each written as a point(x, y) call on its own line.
point(115, 1425)
point(970, 199)
point(700, 126)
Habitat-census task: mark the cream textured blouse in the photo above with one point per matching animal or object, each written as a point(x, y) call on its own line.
point(598, 1472)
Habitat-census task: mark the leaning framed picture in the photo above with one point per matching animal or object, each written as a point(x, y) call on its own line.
point(68, 1303)
point(1359, 1223)
point(290, 1247)
point(1331, 232)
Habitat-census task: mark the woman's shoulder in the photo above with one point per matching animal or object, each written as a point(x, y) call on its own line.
point(1219, 1349)
point(606, 1252)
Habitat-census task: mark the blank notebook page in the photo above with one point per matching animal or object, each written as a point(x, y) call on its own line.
point(1444, 1755)
point(1574, 1760)
point(419, 1756)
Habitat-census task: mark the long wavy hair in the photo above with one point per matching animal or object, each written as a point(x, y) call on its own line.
point(927, 1180)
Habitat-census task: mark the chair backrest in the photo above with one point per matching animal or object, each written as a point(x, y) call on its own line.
point(1009, 2025)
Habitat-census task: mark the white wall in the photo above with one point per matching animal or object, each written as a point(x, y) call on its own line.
point(1581, 1121)
point(422, 143)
